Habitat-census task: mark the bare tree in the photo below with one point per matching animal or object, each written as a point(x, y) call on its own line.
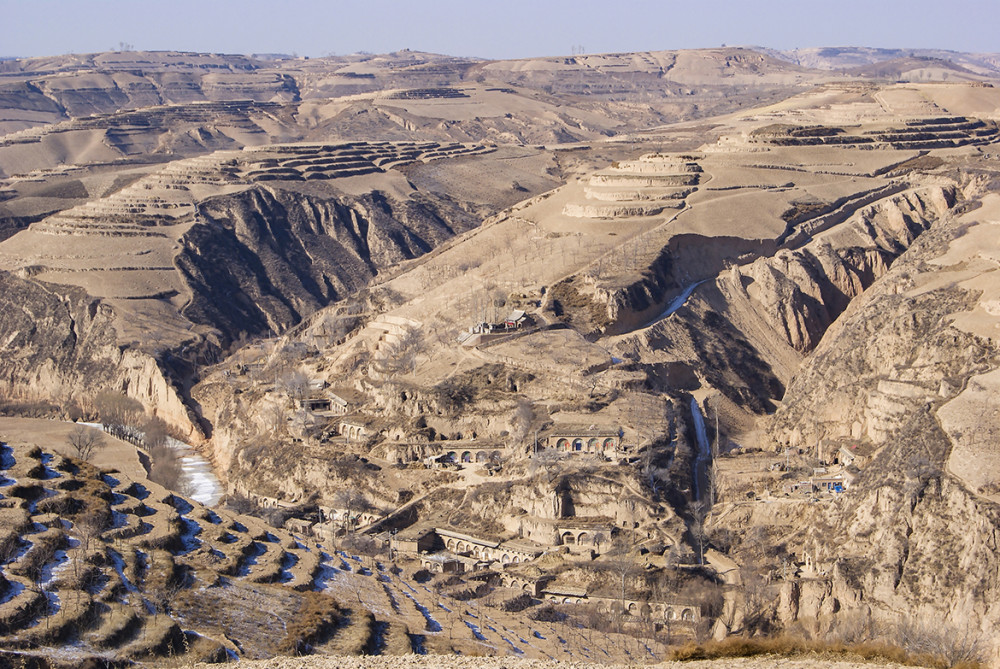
point(757, 600)
point(88, 527)
point(154, 433)
point(660, 593)
point(275, 415)
point(165, 467)
point(544, 459)
point(672, 558)
point(520, 423)
point(352, 502)
point(699, 533)
point(85, 441)
point(296, 383)
point(118, 410)
point(623, 565)
point(399, 356)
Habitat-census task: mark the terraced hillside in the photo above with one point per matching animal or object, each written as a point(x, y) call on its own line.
point(527, 330)
point(137, 244)
point(117, 180)
point(209, 249)
point(97, 565)
point(558, 372)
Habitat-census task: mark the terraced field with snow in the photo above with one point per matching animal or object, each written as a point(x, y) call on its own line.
point(96, 564)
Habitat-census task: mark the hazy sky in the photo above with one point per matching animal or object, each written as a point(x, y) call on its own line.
point(489, 29)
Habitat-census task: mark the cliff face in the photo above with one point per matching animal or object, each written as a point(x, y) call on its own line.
point(911, 540)
point(267, 257)
point(907, 370)
point(803, 291)
point(895, 352)
point(746, 332)
point(61, 344)
point(243, 263)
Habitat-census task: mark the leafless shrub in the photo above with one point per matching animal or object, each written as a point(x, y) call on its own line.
point(165, 467)
point(275, 517)
point(242, 505)
point(856, 627)
point(360, 544)
point(154, 433)
point(316, 619)
point(85, 441)
point(547, 614)
point(518, 603)
point(10, 546)
point(953, 642)
point(794, 646)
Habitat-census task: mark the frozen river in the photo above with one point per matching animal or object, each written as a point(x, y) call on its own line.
point(703, 458)
point(197, 477)
point(198, 480)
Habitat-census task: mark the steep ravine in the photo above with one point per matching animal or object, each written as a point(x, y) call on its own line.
point(267, 257)
point(909, 537)
point(746, 332)
point(258, 260)
point(59, 344)
point(893, 352)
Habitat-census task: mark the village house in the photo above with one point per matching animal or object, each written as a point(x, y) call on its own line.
point(856, 455)
point(344, 400)
point(411, 540)
point(441, 563)
point(823, 482)
point(599, 440)
point(357, 428)
point(429, 541)
point(514, 320)
point(313, 404)
point(484, 331)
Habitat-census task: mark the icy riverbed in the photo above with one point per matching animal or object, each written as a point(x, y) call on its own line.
point(197, 477)
point(197, 474)
point(703, 459)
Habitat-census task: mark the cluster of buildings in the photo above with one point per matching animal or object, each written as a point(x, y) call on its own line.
point(838, 474)
point(441, 550)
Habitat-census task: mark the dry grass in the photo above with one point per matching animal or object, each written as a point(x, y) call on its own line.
point(355, 636)
point(791, 646)
point(255, 617)
point(397, 639)
point(316, 620)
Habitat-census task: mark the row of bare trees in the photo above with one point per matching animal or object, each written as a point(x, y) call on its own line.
point(126, 418)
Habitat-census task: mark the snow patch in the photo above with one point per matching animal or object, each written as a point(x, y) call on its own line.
point(475, 630)
point(197, 473)
point(679, 301)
